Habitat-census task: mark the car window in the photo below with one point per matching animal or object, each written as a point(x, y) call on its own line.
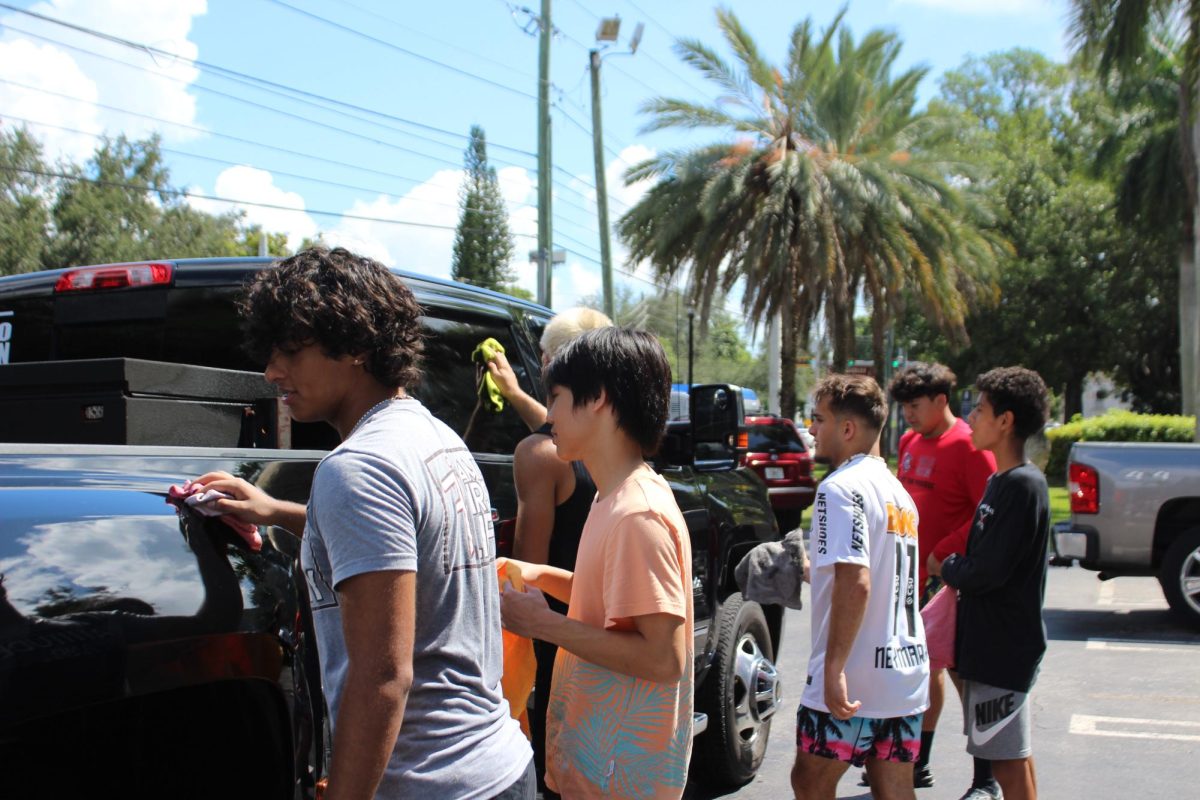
point(449, 387)
point(774, 439)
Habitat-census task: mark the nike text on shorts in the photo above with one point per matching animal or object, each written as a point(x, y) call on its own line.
point(856, 739)
point(998, 722)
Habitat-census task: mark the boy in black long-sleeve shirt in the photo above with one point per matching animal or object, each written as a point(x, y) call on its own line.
point(1001, 581)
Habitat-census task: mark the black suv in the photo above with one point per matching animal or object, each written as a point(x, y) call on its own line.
point(182, 312)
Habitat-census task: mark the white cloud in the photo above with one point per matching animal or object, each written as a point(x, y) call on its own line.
point(994, 8)
point(99, 554)
point(429, 250)
point(159, 88)
point(258, 186)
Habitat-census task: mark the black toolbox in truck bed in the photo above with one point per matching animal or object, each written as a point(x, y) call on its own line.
point(133, 401)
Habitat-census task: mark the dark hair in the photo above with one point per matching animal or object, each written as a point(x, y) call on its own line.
point(631, 369)
point(344, 303)
point(1021, 391)
point(857, 395)
point(922, 380)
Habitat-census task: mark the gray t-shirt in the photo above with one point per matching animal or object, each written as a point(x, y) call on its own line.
point(403, 493)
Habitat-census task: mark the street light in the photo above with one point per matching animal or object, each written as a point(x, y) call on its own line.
point(608, 30)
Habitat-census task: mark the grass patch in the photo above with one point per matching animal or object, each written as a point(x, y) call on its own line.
point(1060, 504)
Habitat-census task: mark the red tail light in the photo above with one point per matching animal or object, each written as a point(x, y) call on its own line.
point(1083, 483)
point(506, 533)
point(114, 276)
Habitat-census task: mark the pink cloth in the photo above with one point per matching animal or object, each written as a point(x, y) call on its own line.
point(940, 616)
point(198, 499)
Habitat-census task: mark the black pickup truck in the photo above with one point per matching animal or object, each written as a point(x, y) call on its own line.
point(118, 356)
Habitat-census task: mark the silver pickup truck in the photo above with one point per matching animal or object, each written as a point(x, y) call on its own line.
point(1135, 510)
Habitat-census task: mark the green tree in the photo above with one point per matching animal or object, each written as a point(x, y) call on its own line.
point(1066, 302)
point(722, 355)
point(107, 210)
point(833, 185)
point(483, 244)
point(1118, 35)
point(24, 216)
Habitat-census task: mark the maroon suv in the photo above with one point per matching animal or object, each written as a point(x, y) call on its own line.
point(776, 452)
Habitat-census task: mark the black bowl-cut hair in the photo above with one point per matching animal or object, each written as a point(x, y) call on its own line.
point(919, 380)
point(1021, 391)
point(345, 304)
point(631, 369)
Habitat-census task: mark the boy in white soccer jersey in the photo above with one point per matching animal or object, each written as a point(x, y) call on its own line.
point(868, 676)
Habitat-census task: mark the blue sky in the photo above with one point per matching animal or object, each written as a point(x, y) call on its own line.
point(413, 77)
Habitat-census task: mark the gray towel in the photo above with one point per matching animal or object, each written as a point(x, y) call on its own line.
point(773, 572)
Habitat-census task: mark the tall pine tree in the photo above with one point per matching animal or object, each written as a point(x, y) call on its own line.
point(483, 244)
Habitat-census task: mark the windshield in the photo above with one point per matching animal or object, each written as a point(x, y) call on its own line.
point(774, 439)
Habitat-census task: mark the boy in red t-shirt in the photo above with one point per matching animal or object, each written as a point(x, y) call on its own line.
point(945, 475)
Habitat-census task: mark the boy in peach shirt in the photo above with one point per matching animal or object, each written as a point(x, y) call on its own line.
point(619, 722)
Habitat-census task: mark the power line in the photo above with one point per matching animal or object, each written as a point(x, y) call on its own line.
point(273, 171)
point(275, 88)
point(262, 106)
point(443, 42)
point(276, 148)
point(405, 51)
point(233, 201)
point(232, 74)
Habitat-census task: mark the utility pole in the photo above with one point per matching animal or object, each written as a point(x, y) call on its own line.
point(610, 28)
point(545, 227)
point(601, 187)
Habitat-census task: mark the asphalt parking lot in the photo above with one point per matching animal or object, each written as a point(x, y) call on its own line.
point(1117, 704)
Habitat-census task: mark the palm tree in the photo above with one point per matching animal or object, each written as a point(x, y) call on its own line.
point(829, 187)
point(1119, 35)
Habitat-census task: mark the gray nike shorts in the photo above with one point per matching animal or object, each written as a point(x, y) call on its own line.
point(997, 722)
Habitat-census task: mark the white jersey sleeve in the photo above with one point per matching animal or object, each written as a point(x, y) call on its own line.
point(840, 527)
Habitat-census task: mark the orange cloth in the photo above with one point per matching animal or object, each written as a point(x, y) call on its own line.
point(520, 664)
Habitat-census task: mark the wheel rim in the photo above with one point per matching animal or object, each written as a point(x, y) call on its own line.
point(756, 689)
point(1189, 579)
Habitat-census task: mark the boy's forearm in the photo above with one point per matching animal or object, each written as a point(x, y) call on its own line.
point(553, 581)
point(626, 652)
point(848, 606)
point(290, 516)
point(532, 413)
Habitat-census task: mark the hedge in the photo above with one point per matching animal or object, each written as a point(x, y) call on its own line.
point(1114, 426)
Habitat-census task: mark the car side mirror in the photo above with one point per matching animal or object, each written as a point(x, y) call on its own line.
point(676, 449)
point(717, 416)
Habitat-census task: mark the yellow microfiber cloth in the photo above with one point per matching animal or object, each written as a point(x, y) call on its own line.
point(489, 392)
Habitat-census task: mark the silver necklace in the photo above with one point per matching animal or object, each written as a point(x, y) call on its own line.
point(381, 404)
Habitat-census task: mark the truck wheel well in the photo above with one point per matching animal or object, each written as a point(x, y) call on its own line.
point(1175, 517)
point(773, 613)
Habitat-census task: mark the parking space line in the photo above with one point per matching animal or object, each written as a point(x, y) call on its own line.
point(1140, 646)
point(1123, 727)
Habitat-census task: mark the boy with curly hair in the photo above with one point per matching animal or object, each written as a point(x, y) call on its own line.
point(1001, 581)
point(397, 540)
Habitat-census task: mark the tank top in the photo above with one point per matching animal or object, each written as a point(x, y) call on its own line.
point(569, 517)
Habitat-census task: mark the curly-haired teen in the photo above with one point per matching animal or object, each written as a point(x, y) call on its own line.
point(869, 671)
point(1001, 581)
point(945, 474)
point(399, 498)
point(625, 654)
